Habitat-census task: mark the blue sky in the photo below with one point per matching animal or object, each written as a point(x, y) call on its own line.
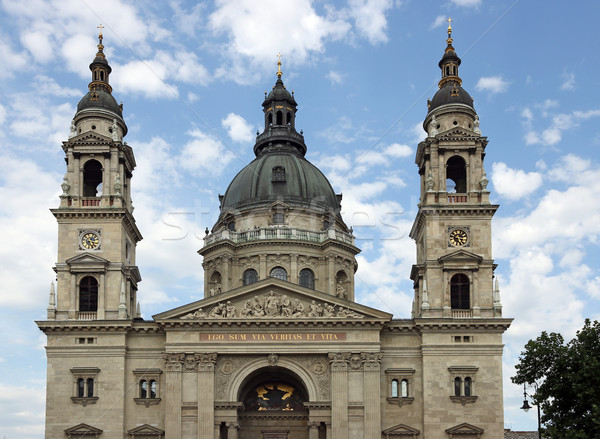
point(192, 77)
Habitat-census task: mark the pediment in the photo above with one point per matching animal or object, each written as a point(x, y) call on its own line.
point(83, 430)
point(462, 256)
point(401, 430)
point(273, 299)
point(90, 138)
point(458, 132)
point(146, 430)
point(87, 259)
point(465, 429)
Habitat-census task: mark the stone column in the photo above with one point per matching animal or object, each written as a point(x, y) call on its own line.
point(102, 299)
point(313, 430)
point(372, 373)
point(331, 268)
point(74, 294)
point(206, 394)
point(232, 430)
point(173, 366)
point(294, 268)
point(217, 433)
point(339, 391)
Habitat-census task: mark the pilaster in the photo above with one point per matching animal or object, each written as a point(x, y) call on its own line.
point(339, 388)
point(173, 378)
point(372, 374)
point(206, 395)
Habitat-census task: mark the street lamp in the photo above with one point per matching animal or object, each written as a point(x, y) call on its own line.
point(526, 408)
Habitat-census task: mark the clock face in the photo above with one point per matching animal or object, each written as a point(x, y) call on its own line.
point(458, 238)
point(90, 241)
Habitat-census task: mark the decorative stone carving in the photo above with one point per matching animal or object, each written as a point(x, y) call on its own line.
point(483, 182)
point(173, 362)
point(340, 291)
point(429, 183)
point(476, 128)
point(432, 128)
point(206, 361)
point(372, 360)
point(273, 359)
point(356, 362)
point(115, 131)
point(118, 186)
point(339, 361)
point(274, 305)
point(190, 362)
point(72, 130)
point(65, 185)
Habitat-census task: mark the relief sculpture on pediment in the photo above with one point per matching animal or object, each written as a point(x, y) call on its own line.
point(273, 305)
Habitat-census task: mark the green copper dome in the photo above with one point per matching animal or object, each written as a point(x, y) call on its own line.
point(280, 175)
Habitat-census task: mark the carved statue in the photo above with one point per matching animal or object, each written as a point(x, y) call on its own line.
point(198, 314)
point(231, 310)
point(247, 309)
point(328, 310)
point(340, 291)
point(483, 182)
point(218, 311)
point(286, 306)
point(72, 130)
point(298, 310)
point(476, 125)
point(118, 186)
point(258, 308)
point(429, 183)
point(432, 128)
point(115, 131)
point(65, 185)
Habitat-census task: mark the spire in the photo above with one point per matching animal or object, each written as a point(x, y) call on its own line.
point(100, 68)
point(450, 61)
point(279, 72)
point(52, 303)
point(122, 305)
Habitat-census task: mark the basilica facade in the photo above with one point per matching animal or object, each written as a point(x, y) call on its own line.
point(278, 347)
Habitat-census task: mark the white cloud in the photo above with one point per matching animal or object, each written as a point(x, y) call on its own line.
point(335, 77)
point(22, 410)
point(467, 3)
point(237, 128)
point(398, 150)
point(204, 153)
point(369, 16)
point(568, 81)
point(12, 61)
point(50, 86)
point(514, 183)
point(492, 84)
point(439, 21)
point(559, 123)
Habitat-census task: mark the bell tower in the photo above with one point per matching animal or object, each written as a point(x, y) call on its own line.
point(454, 273)
point(96, 273)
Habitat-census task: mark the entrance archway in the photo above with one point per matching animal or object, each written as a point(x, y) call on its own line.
point(273, 405)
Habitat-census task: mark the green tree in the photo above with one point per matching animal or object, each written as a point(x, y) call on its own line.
point(565, 381)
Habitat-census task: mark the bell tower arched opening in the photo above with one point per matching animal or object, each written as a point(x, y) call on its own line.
point(92, 178)
point(456, 172)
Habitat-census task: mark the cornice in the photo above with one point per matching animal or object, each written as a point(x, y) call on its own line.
point(278, 242)
point(115, 326)
point(95, 213)
point(264, 323)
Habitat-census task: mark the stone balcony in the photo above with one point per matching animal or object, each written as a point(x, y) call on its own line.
point(279, 233)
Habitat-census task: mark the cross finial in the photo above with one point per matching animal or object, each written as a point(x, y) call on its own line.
point(279, 73)
point(449, 20)
point(100, 34)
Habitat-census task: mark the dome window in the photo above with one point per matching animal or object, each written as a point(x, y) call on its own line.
point(278, 218)
point(307, 278)
point(279, 273)
point(279, 118)
point(278, 174)
point(250, 276)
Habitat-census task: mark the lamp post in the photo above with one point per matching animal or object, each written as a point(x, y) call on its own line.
point(526, 408)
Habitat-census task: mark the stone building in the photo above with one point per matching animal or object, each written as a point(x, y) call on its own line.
point(278, 347)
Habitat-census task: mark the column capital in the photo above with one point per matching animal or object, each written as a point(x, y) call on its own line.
point(206, 361)
point(173, 361)
point(371, 360)
point(339, 361)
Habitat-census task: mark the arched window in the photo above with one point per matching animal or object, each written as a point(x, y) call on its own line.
point(80, 387)
point(279, 273)
point(152, 388)
point(90, 387)
point(404, 388)
point(457, 386)
point(143, 389)
point(394, 388)
point(88, 294)
point(279, 118)
point(307, 278)
point(468, 389)
point(288, 118)
point(456, 172)
point(270, 119)
point(92, 178)
point(250, 276)
point(459, 292)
